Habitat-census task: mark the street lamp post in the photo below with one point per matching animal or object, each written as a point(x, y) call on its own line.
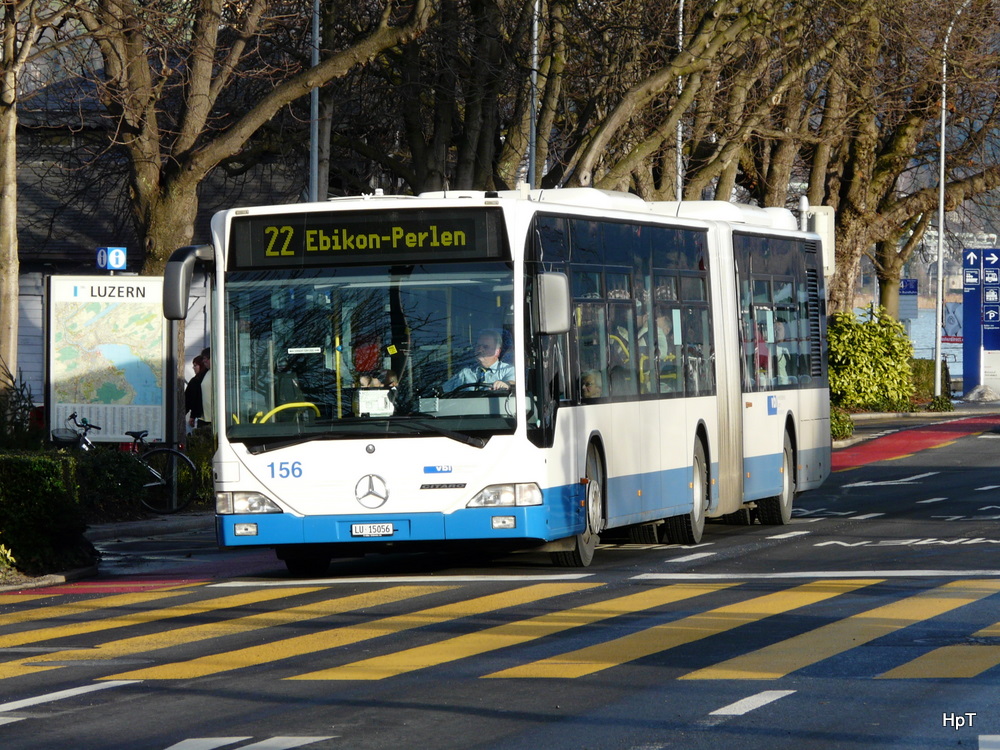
point(940, 256)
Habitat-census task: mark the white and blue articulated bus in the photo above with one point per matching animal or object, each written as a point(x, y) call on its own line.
point(512, 370)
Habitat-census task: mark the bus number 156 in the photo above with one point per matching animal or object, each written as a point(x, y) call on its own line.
point(285, 469)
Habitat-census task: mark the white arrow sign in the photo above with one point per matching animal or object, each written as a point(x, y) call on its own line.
point(909, 480)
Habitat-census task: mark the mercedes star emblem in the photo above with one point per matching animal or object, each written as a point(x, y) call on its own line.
point(371, 491)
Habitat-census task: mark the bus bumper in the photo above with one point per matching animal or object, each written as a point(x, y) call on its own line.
point(492, 524)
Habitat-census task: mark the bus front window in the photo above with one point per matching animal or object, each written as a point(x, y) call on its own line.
point(369, 351)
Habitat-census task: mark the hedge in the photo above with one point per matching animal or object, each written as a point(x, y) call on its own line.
point(41, 520)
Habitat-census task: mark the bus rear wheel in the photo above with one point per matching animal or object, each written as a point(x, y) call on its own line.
point(687, 529)
point(777, 510)
point(585, 544)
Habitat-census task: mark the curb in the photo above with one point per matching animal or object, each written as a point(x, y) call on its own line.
point(153, 526)
point(52, 579)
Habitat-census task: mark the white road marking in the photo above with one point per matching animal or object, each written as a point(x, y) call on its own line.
point(689, 558)
point(285, 743)
point(789, 535)
point(207, 743)
point(752, 703)
point(48, 697)
point(931, 500)
point(403, 579)
point(817, 574)
point(10, 720)
point(907, 480)
point(987, 488)
point(272, 743)
point(866, 516)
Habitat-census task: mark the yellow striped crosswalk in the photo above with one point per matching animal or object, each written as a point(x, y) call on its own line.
point(806, 649)
point(525, 628)
point(336, 637)
point(954, 661)
point(504, 636)
point(670, 635)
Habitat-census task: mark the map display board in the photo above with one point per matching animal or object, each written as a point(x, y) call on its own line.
point(107, 354)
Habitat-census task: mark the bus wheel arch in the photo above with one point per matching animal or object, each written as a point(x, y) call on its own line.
point(585, 543)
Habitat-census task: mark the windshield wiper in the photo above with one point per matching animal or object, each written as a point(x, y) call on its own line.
point(426, 422)
point(289, 442)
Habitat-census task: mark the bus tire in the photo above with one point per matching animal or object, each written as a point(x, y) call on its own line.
point(687, 529)
point(777, 510)
point(644, 533)
point(584, 544)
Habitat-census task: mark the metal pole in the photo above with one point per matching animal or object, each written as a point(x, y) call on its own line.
point(680, 90)
point(314, 112)
point(939, 308)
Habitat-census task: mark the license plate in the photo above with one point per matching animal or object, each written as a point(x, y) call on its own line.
point(371, 529)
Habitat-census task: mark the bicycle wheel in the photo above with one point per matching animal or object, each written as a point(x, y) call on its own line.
point(171, 483)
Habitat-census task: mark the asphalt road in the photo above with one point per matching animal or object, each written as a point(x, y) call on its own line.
point(872, 620)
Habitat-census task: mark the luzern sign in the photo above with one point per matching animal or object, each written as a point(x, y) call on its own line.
point(335, 238)
point(106, 354)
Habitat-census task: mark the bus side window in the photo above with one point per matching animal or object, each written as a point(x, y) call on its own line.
point(623, 374)
point(591, 336)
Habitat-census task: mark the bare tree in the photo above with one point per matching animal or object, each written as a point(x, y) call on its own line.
point(187, 86)
point(876, 151)
point(23, 23)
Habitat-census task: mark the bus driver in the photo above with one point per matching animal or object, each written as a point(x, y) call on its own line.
point(489, 368)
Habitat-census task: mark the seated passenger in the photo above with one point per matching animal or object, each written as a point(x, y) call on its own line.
point(489, 368)
point(383, 379)
point(591, 384)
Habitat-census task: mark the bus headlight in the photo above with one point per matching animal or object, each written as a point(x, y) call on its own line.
point(506, 496)
point(244, 502)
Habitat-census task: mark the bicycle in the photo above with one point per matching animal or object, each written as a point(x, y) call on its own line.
point(172, 482)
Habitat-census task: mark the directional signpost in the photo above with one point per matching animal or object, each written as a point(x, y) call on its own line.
point(981, 323)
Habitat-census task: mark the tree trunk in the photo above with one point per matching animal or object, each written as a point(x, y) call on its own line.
point(9, 264)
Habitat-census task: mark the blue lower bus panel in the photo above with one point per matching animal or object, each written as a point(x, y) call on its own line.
point(274, 529)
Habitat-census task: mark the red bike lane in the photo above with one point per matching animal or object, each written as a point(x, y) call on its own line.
point(912, 440)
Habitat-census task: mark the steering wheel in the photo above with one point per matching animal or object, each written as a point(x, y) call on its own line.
point(474, 388)
point(292, 405)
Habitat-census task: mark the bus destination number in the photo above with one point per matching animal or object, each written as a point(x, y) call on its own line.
point(285, 469)
point(371, 529)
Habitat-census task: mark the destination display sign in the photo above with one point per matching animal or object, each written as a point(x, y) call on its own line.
point(335, 238)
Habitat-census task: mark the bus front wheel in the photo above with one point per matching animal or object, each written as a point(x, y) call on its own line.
point(585, 544)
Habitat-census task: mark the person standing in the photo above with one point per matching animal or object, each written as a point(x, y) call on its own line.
point(192, 392)
point(206, 390)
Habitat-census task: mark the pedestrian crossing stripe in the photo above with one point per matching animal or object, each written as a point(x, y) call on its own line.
point(21, 598)
point(190, 634)
point(510, 634)
point(958, 660)
point(670, 635)
point(337, 637)
point(78, 608)
point(793, 654)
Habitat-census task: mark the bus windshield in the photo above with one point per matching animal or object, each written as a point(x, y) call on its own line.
point(372, 351)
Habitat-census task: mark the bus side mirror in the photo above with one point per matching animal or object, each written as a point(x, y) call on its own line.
point(553, 303)
point(177, 279)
